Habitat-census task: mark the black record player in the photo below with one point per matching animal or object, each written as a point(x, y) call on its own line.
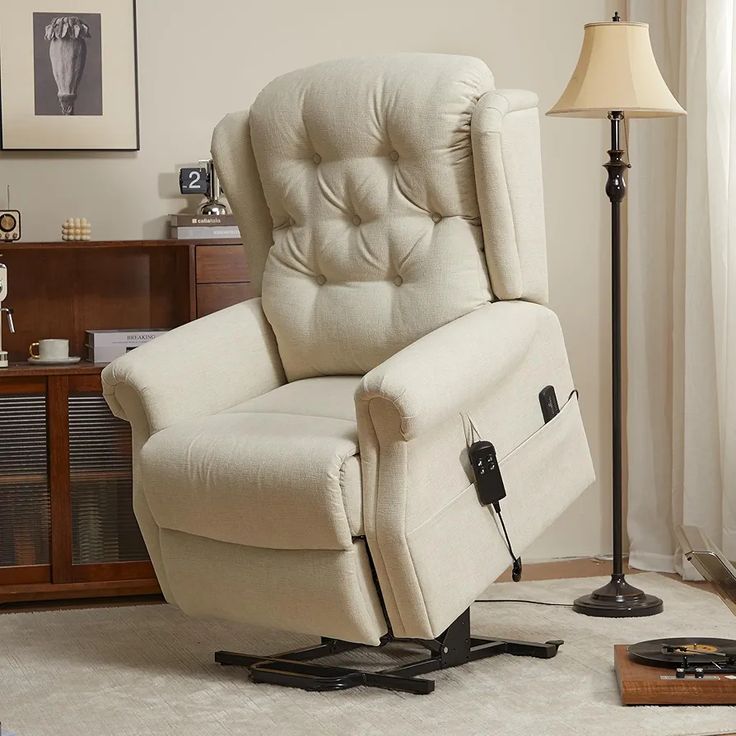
point(697, 657)
point(685, 670)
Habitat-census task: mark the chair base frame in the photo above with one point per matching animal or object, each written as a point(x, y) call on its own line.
point(452, 648)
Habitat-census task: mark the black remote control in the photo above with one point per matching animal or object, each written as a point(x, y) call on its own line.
point(488, 478)
point(548, 402)
point(489, 483)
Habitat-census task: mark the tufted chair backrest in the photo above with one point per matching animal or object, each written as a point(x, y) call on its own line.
point(362, 183)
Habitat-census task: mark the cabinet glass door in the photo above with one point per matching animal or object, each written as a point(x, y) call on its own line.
point(25, 502)
point(104, 528)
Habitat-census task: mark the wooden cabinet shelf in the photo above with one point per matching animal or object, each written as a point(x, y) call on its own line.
point(63, 289)
point(67, 528)
point(20, 369)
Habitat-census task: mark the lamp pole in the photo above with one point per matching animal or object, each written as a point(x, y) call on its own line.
point(617, 598)
point(616, 191)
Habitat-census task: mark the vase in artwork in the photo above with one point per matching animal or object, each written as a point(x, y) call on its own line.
point(67, 36)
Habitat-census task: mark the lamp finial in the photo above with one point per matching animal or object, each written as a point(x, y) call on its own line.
point(616, 17)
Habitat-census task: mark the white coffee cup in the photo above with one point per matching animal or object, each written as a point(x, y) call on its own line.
point(50, 349)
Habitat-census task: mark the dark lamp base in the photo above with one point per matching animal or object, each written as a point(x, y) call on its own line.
point(618, 599)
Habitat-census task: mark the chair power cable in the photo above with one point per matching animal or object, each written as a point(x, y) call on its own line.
point(522, 600)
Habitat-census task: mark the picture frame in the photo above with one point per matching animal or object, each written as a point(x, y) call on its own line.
point(69, 75)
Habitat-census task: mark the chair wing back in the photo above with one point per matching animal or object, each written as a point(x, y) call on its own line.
point(354, 184)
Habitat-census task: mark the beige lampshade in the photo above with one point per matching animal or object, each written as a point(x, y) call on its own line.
point(616, 71)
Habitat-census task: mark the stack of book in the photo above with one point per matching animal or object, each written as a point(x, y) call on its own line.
point(103, 346)
point(203, 227)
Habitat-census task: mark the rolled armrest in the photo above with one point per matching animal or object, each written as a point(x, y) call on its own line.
point(200, 368)
point(420, 508)
point(451, 368)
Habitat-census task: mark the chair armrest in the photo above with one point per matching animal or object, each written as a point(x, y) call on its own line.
point(199, 368)
point(433, 545)
point(451, 368)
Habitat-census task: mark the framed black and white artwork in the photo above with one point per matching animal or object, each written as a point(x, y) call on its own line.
point(68, 75)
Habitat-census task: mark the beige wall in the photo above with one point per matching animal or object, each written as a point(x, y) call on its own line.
point(531, 44)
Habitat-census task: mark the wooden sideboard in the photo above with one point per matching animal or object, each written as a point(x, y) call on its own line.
point(67, 528)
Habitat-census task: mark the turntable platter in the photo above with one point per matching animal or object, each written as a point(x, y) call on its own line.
point(670, 652)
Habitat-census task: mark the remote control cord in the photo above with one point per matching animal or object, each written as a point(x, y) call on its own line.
point(516, 573)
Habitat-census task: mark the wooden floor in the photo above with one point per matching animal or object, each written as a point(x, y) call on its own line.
point(583, 567)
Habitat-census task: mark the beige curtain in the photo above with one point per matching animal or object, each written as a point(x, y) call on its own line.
point(681, 344)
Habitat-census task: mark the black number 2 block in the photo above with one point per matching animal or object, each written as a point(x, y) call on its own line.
point(194, 180)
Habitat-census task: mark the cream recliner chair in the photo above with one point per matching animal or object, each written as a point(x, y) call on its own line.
point(300, 459)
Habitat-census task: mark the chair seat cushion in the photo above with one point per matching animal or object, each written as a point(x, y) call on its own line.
point(280, 471)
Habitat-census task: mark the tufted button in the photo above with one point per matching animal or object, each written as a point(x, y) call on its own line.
point(316, 158)
point(394, 156)
point(436, 217)
point(398, 281)
point(356, 220)
point(321, 279)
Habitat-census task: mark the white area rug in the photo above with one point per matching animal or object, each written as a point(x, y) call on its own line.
point(148, 671)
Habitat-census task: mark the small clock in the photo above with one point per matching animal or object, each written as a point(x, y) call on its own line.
point(9, 226)
point(194, 180)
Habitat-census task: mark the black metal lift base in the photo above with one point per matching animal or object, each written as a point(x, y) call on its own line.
point(452, 648)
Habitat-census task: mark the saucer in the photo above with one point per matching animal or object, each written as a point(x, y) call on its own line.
point(54, 361)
